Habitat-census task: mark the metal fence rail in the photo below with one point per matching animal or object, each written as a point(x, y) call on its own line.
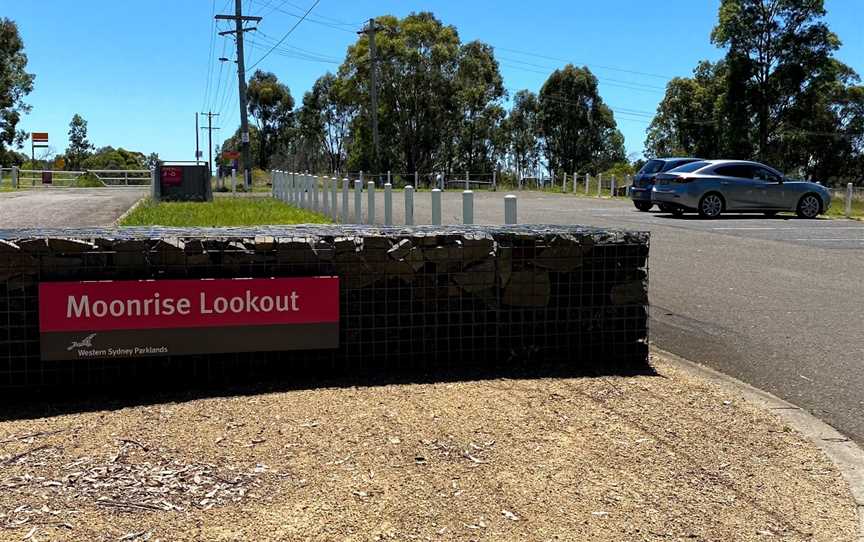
point(24, 178)
point(124, 177)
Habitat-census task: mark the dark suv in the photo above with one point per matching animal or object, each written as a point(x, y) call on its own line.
point(640, 192)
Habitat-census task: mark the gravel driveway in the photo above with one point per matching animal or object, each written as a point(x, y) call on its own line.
point(66, 207)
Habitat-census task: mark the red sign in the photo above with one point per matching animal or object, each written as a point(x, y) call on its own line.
point(39, 137)
point(172, 175)
point(165, 317)
point(230, 155)
point(47, 177)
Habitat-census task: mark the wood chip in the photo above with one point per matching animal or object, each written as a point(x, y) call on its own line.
point(509, 515)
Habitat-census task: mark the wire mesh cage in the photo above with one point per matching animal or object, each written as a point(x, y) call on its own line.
point(421, 298)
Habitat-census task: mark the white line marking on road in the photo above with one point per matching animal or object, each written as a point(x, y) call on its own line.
point(753, 228)
point(819, 228)
point(830, 239)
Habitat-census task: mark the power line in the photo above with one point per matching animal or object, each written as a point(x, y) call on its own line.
point(608, 82)
point(612, 68)
point(320, 20)
point(552, 68)
point(286, 34)
point(294, 47)
point(215, 99)
point(210, 53)
point(296, 54)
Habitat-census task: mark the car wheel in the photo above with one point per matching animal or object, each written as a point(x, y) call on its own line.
point(711, 205)
point(809, 206)
point(643, 205)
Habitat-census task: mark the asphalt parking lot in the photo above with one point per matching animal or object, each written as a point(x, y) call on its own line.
point(776, 302)
point(66, 207)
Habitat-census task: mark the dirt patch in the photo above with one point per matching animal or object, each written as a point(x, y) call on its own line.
point(613, 458)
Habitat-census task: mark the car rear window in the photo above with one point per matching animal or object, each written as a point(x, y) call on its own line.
point(653, 166)
point(672, 164)
point(687, 168)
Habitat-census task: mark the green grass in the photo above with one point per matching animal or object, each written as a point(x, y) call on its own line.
point(221, 212)
point(838, 209)
point(87, 181)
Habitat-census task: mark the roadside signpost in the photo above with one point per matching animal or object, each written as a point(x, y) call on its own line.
point(38, 140)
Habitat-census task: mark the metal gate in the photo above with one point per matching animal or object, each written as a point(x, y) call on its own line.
point(92, 178)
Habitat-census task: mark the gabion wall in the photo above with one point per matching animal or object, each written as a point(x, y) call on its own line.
point(427, 298)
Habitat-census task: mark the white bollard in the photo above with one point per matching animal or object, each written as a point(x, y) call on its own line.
point(233, 180)
point(358, 203)
point(291, 188)
point(325, 194)
point(467, 207)
point(436, 206)
point(575, 181)
point(416, 178)
point(587, 179)
point(388, 178)
point(510, 209)
point(409, 205)
point(345, 186)
point(388, 204)
point(315, 206)
point(848, 200)
point(494, 180)
point(612, 190)
point(599, 184)
point(334, 187)
point(15, 177)
point(370, 193)
point(304, 186)
point(564, 183)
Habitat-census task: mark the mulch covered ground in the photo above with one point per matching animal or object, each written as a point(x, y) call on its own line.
point(663, 457)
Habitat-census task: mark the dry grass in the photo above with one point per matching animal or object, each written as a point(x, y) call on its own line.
point(615, 458)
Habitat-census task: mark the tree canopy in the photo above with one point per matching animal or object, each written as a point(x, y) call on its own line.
point(442, 108)
point(271, 105)
point(578, 130)
point(779, 95)
point(15, 84)
point(79, 147)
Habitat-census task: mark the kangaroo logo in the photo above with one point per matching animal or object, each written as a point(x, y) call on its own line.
point(86, 342)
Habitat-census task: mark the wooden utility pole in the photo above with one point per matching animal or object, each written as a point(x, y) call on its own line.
point(210, 129)
point(197, 149)
point(238, 31)
point(370, 30)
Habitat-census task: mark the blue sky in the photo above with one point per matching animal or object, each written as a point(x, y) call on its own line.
point(137, 71)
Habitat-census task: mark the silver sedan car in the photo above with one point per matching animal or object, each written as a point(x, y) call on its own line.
point(712, 187)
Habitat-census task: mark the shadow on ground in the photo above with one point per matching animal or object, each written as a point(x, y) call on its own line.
point(131, 393)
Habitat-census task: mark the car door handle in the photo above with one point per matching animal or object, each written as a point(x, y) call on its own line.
point(724, 183)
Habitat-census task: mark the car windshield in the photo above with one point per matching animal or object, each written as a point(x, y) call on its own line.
point(687, 168)
point(653, 166)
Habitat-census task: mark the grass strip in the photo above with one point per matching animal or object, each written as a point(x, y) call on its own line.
point(220, 212)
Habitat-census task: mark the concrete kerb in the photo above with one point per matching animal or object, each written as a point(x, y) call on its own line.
point(128, 212)
point(847, 456)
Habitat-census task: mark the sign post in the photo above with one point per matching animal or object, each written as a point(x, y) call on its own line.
point(37, 140)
